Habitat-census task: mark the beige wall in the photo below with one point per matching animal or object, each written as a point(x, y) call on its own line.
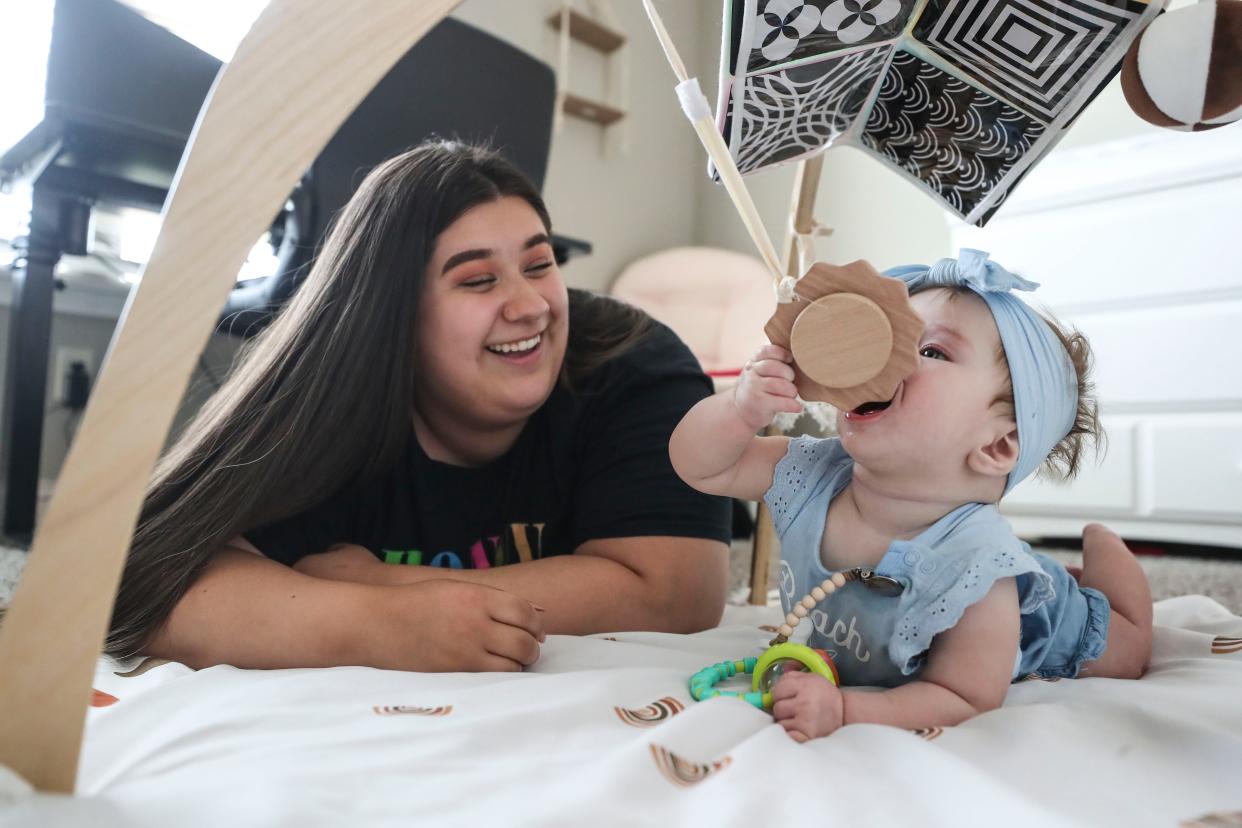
point(634, 191)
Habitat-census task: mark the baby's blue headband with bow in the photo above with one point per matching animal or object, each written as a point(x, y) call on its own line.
point(1045, 385)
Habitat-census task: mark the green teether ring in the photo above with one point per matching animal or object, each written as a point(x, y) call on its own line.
point(703, 683)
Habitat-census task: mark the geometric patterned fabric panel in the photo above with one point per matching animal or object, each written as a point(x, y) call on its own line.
point(788, 113)
point(964, 100)
point(955, 138)
point(1037, 51)
point(790, 30)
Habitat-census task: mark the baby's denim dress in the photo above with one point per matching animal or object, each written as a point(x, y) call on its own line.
point(882, 640)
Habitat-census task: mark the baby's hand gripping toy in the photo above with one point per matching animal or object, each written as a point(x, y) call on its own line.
point(783, 656)
point(767, 668)
point(852, 332)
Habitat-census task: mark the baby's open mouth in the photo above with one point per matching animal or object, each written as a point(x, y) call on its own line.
point(871, 408)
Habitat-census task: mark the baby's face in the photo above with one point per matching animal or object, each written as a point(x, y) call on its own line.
point(946, 407)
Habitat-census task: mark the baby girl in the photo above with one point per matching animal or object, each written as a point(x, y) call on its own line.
point(909, 491)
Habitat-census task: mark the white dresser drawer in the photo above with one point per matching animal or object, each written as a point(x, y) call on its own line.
point(1097, 249)
point(1098, 490)
point(1158, 358)
point(1196, 466)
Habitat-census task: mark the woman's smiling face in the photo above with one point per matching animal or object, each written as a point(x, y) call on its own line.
point(946, 408)
point(493, 319)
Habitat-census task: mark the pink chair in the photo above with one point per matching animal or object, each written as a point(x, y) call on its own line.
point(716, 300)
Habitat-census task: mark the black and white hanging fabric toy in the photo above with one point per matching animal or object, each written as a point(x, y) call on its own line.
point(961, 97)
point(1185, 71)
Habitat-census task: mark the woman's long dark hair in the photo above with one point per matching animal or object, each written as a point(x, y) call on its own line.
point(323, 397)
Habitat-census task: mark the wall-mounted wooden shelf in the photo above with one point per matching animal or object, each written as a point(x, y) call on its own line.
point(598, 33)
point(590, 32)
point(581, 107)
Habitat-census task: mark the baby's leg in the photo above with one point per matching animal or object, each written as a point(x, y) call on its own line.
point(1110, 567)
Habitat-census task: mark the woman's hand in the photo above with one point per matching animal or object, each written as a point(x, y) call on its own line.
point(432, 623)
point(448, 626)
point(807, 705)
point(766, 387)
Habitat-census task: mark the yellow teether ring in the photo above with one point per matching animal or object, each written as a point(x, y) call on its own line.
point(768, 667)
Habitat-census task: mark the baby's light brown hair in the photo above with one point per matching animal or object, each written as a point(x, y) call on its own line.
point(1066, 458)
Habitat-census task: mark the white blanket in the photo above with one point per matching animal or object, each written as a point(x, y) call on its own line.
point(603, 732)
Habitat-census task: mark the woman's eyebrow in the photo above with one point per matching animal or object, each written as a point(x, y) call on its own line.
point(484, 252)
point(465, 256)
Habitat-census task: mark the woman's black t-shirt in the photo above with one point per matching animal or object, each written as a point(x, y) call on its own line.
point(589, 464)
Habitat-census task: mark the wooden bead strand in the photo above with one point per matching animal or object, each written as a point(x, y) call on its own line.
point(824, 590)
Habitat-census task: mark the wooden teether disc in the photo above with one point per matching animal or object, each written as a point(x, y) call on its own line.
point(862, 279)
point(841, 340)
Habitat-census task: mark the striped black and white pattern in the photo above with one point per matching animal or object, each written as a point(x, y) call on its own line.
point(1036, 52)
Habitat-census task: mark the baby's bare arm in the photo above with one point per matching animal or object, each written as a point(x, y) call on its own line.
point(713, 451)
point(969, 669)
point(714, 447)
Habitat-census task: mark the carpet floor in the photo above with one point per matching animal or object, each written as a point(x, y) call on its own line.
point(1169, 575)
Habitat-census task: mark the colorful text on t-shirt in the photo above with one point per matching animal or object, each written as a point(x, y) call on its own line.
point(522, 542)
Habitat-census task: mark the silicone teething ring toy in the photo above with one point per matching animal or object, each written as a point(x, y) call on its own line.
point(702, 683)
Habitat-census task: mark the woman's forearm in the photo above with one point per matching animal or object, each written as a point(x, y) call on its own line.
point(583, 594)
point(248, 611)
point(915, 705)
point(613, 584)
